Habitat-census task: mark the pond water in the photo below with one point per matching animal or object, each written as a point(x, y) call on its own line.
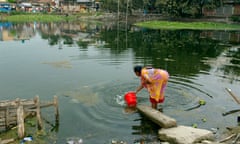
point(89, 67)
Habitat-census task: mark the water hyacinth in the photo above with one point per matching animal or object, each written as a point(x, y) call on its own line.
point(188, 25)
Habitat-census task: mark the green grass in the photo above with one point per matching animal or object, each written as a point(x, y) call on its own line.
point(188, 25)
point(36, 17)
point(44, 17)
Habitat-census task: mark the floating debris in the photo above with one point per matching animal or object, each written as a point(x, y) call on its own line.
point(200, 103)
point(59, 64)
point(26, 139)
point(204, 119)
point(74, 140)
point(195, 125)
point(83, 95)
point(118, 142)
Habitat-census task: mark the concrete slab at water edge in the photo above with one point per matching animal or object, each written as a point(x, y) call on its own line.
point(173, 134)
point(158, 117)
point(185, 135)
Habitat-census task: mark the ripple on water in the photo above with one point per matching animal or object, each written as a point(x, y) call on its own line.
point(106, 110)
point(103, 107)
point(183, 97)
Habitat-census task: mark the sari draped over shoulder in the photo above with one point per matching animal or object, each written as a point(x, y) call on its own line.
point(158, 78)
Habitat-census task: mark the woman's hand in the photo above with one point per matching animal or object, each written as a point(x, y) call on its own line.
point(139, 88)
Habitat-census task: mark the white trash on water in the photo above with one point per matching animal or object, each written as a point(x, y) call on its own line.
point(74, 141)
point(25, 139)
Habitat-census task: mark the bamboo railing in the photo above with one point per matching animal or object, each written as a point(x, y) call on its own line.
point(14, 112)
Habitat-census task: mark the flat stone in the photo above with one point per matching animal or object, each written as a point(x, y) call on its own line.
point(209, 142)
point(185, 135)
point(157, 116)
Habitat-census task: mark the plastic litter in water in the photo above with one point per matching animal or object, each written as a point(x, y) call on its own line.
point(25, 139)
point(28, 138)
point(74, 141)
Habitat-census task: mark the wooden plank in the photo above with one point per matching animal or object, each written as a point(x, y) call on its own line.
point(20, 121)
point(157, 117)
point(38, 112)
point(14, 103)
point(14, 112)
point(6, 141)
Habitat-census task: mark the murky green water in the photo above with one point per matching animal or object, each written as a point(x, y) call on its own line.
point(89, 67)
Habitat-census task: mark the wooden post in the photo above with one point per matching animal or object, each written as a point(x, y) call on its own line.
point(55, 103)
point(38, 113)
point(6, 118)
point(20, 119)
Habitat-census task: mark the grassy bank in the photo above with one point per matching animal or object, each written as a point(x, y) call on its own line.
point(45, 17)
point(35, 17)
point(188, 25)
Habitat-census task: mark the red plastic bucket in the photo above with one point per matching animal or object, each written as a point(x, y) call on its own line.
point(130, 99)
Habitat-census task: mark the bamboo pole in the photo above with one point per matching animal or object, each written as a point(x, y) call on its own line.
point(39, 121)
point(20, 120)
point(227, 138)
point(55, 102)
point(230, 112)
point(6, 118)
point(6, 141)
point(14, 112)
point(234, 96)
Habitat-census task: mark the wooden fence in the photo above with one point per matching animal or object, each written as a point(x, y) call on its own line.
point(14, 112)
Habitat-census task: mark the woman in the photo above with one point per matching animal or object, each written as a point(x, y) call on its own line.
point(155, 81)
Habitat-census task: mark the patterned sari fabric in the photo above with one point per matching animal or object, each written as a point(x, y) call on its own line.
point(158, 84)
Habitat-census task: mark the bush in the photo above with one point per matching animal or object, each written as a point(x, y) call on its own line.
point(235, 18)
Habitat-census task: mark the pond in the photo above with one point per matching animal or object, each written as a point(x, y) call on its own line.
point(90, 67)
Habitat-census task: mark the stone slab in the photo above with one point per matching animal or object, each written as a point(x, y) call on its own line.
point(185, 135)
point(157, 116)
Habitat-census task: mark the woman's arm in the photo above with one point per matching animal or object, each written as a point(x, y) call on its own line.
point(139, 88)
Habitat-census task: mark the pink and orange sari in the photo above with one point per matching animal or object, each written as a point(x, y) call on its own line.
point(158, 84)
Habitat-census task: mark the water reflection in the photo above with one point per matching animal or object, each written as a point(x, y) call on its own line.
point(171, 49)
point(84, 60)
point(147, 129)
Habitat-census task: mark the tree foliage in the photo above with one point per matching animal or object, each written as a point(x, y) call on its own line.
point(176, 8)
point(11, 1)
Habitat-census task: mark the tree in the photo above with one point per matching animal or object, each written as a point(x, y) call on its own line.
point(11, 1)
point(186, 8)
point(174, 8)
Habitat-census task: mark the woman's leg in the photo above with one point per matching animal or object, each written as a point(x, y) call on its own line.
point(154, 105)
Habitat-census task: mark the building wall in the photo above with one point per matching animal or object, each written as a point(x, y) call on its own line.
point(236, 10)
point(225, 11)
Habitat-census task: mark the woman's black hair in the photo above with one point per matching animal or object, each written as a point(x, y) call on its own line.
point(137, 69)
